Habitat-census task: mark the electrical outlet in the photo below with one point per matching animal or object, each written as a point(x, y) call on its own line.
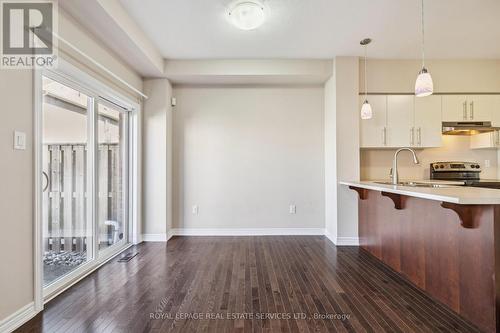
point(293, 209)
point(487, 163)
point(195, 210)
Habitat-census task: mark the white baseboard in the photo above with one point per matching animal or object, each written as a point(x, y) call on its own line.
point(154, 237)
point(331, 237)
point(343, 241)
point(247, 231)
point(339, 241)
point(18, 318)
point(347, 241)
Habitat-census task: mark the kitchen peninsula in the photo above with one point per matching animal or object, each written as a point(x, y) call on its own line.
point(445, 240)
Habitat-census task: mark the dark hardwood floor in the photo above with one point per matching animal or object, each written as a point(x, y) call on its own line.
point(245, 284)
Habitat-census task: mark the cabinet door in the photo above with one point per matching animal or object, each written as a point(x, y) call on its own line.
point(481, 107)
point(495, 111)
point(400, 132)
point(484, 140)
point(428, 127)
point(455, 108)
point(373, 131)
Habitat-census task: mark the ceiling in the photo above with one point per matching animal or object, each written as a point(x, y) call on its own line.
point(198, 29)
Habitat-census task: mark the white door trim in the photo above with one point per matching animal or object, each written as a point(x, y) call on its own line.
point(37, 177)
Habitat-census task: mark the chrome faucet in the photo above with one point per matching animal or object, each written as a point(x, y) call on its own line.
point(394, 170)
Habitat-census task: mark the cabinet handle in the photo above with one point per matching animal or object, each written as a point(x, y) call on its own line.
point(419, 136)
point(384, 136)
point(471, 110)
point(497, 138)
point(412, 136)
point(464, 106)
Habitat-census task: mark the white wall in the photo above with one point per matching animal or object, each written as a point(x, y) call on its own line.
point(65, 126)
point(331, 158)
point(244, 154)
point(73, 32)
point(248, 71)
point(460, 76)
point(347, 147)
point(157, 160)
point(16, 198)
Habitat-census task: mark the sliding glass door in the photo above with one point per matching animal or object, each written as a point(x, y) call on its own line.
point(85, 193)
point(67, 226)
point(112, 157)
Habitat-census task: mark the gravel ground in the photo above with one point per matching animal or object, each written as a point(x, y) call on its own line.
point(57, 264)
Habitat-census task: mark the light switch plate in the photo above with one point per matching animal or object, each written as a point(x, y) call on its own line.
point(195, 210)
point(19, 140)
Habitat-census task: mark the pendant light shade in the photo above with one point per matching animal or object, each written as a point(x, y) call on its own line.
point(366, 108)
point(366, 111)
point(424, 85)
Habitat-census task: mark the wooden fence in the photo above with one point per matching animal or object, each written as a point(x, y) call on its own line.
point(65, 221)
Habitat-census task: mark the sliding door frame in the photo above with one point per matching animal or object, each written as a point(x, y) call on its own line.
point(75, 78)
point(125, 181)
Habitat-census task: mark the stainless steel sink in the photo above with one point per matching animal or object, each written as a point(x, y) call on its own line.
point(416, 184)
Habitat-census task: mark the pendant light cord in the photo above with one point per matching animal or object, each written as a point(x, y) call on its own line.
point(423, 36)
point(366, 80)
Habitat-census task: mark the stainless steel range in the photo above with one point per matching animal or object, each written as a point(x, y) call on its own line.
point(468, 172)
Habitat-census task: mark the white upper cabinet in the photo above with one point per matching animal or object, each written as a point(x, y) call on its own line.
point(400, 130)
point(469, 107)
point(455, 108)
point(409, 121)
point(402, 121)
point(373, 131)
point(492, 139)
point(485, 140)
point(427, 124)
point(480, 107)
point(495, 111)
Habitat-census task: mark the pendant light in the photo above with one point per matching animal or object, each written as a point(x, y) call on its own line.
point(424, 85)
point(366, 108)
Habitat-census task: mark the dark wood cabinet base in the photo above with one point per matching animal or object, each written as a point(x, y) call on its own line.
point(446, 250)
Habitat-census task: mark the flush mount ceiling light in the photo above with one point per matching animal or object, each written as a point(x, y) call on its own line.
point(247, 15)
point(366, 109)
point(424, 85)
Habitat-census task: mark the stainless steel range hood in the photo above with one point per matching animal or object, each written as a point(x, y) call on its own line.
point(468, 127)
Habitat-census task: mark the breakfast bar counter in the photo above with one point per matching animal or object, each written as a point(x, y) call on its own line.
point(451, 192)
point(444, 240)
